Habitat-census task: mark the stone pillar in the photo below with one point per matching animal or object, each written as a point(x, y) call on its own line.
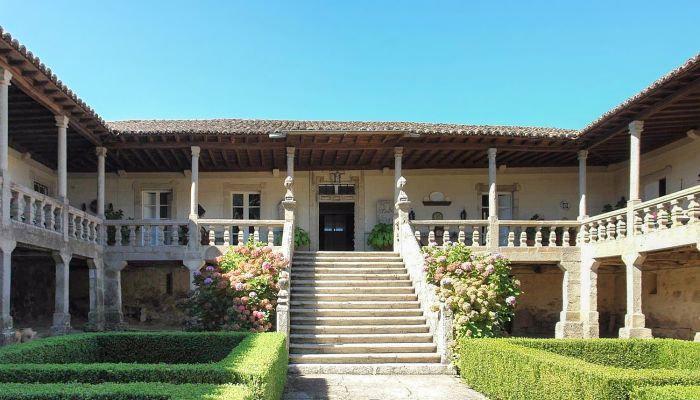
point(570, 324)
point(193, 229)
point(290, 161)
point(634, 319)
point(96, 315)
point(493, 200)
point(589, 297)
point(635, 128)
point(697, 337)
point(61, 315)
point(6, 328)
point(114, 318)
point(5, 77)
point(101, 154)
point(193, 266)
point(582, 211)
point(62, 169)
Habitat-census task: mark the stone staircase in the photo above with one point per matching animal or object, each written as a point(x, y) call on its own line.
point(357, 312)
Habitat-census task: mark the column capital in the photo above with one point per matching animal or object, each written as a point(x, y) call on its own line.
point(636, 128)
point(61, 121)
point(291, 151)
point(582, 155)
point(195, 151)
point(492, 152)
point(398, 151)
point(101, 151)
point(5, 76)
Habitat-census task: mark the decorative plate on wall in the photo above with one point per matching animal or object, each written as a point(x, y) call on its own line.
point(436, 199)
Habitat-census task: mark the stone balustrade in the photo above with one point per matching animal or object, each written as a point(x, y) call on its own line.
point(437, 232)
point(35, 209)
point(220, 231)
point(84, 227)
point(673, 210)
point(605, 227)
point(532, 233)
point(146, 233)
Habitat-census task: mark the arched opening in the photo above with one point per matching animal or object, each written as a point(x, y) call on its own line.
point(671, 293)
point(152, 292)
point(539, 307)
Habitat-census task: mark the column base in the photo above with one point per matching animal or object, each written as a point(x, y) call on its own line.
point(591, 327)
point(697, 337)
point(7, 336)
point(96, 322)
point(61, 324)
point(635, 333)
point(114, 321)
point(568, 330)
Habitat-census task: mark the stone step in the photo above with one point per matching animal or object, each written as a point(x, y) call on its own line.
point(318, 320)
point(356, 304)
point(298, 290)
point(388, 368)
point(336, 277)
point(359, 329)
point(299, 283)
point(342, 259)
point(364, 358)
point(367, 348)
point(356, 297)
point(361, 338)
point(356, 312)
point(348, 264)
point(348, 253)
point(354, 270)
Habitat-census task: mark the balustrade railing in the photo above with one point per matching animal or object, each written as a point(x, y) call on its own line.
point(673, 210)
point(610, 226)
point(146, 233)
point(437, 232)
point(35, 209)
point(237, 231)
point(83, 226)
point(532, 233)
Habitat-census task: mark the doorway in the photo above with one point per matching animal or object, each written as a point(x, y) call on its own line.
point(336, 222)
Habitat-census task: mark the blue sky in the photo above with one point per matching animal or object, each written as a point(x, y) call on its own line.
point(488, 62)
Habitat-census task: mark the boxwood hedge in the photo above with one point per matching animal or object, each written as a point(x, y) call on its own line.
point(574, 369)
point(666, 393)
point(123, 391)
point(258, 361)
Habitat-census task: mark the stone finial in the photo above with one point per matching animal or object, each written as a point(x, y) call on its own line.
point(289, 185)
point(400, 185)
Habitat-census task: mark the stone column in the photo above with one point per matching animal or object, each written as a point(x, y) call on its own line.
point(62, 170)
point(635, 128)
point(582, 211)
point(570, 324)
point(634, 319)
point(61, 315)
point(6, 328)
point(398, 158)
point(493, 200)
point(193, 266)
point(101, 154)
point(96, 316)
point(5, 77)
point(114, 318)
point(194, 238)
point(290, 161)
point(589, 296)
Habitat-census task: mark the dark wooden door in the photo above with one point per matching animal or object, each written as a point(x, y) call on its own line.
point(336, 226)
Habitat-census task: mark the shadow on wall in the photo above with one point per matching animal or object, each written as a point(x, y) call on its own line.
point(539, 306)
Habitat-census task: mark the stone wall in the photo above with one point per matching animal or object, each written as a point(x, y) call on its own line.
point(150, 294)
point(539, 306)
point(671, 301)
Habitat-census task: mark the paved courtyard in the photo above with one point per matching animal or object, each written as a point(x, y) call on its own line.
point(378, 387)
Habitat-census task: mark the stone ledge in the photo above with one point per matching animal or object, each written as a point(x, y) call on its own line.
point(373, 369)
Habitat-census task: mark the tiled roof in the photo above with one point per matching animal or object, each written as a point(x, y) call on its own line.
point(261, 127)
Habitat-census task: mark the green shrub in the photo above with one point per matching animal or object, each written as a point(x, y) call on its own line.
point(666, 393)
point(381, 237)
point(516, 369)
point(123, 391)
point(258, 361)
point(301, 238)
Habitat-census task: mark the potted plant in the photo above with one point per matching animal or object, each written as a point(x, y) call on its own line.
point(531, 231)
point(301, 239)
point(381, 237)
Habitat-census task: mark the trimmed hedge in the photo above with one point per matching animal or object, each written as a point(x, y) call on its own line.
point(561, 369)
point(257, 360)
point(123, 391)
point(666, 393)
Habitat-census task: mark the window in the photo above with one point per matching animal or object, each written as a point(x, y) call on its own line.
point(244, 205)
point(156, 204)
point(41, 188)
point(662, 187)
point(336, 189)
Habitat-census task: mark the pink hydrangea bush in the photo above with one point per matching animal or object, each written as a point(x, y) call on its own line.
point(238, 291)
point(477, 288)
